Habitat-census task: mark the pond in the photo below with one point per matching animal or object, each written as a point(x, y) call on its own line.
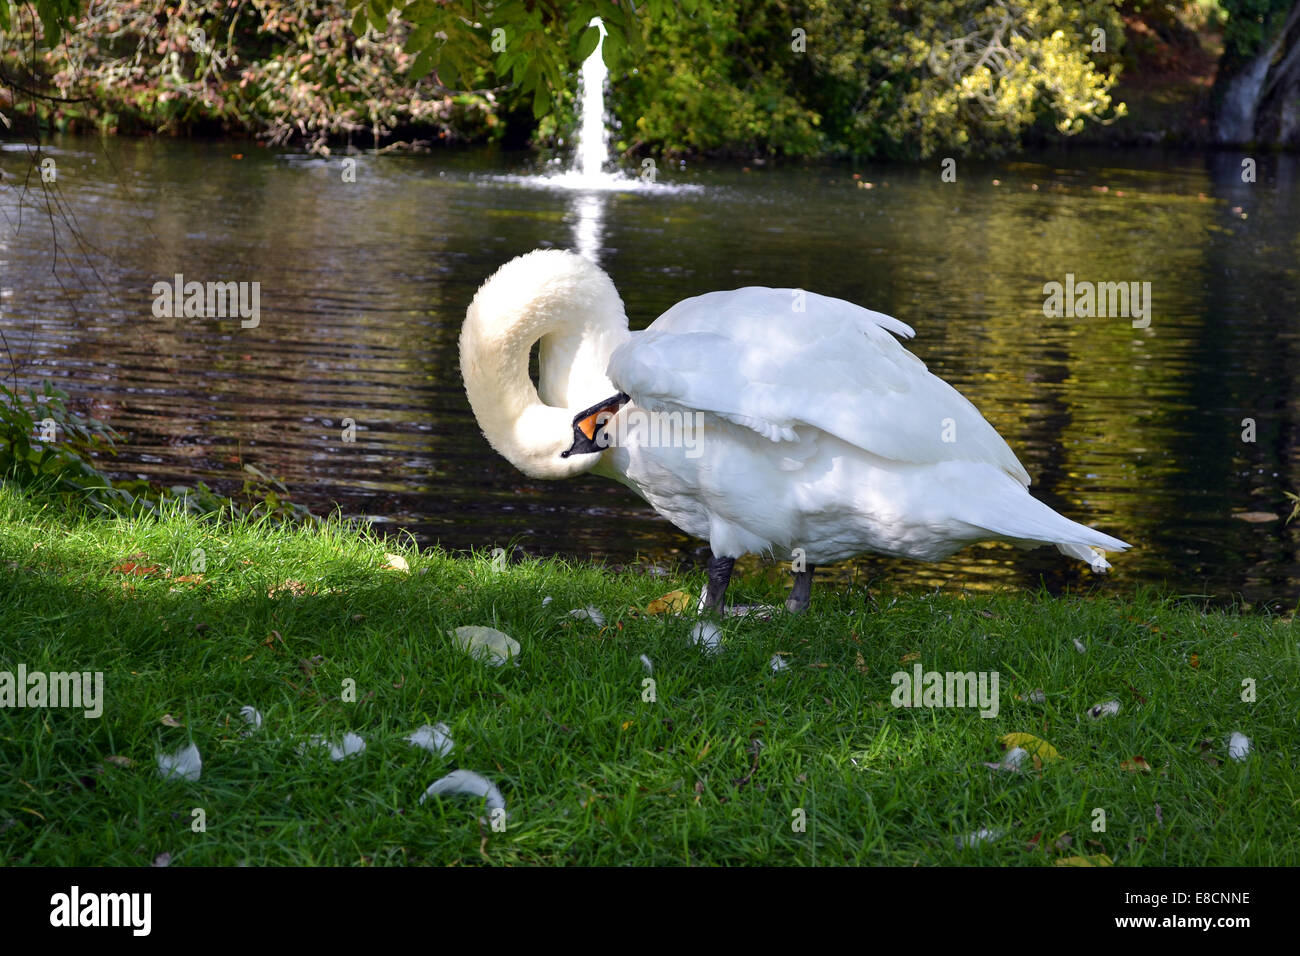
point(1134, 425)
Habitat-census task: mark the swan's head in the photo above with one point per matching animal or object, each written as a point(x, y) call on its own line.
point(571, 307)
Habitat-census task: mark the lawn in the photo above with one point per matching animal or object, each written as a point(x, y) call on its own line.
point(722, 760)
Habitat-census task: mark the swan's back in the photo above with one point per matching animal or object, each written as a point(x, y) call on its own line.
point(776, 359)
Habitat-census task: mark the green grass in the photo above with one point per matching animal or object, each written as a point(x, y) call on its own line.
point(591, 773)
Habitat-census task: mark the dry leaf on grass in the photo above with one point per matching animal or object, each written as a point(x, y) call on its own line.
point(296, 588)
point(1037, 748)
point(674, 602)
point(1097, 859)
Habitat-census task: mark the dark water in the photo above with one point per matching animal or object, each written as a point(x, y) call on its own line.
point(364, 285)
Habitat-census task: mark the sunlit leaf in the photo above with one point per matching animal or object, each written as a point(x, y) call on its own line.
point(1031, 744)
point(674, 602)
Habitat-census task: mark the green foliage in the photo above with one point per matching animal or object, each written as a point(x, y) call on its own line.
point(1295, 510)
point(284, 70)
point(51, 450)
point(870, 78)
point(55, 16)
point(724, 79)
point(534, 47)
point(800, 77)
point(45, 446)
point(1250, 25)
point(957, 75)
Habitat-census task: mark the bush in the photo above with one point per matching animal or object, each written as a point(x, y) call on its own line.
point(46, 447)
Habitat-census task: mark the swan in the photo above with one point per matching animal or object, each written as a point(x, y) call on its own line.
point(761, 420)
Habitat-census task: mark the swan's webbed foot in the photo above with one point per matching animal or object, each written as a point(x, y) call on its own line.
point(716, 590)
point(801, 593)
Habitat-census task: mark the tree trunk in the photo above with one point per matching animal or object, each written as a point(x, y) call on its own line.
point(1261, 103)
point(1278, 119)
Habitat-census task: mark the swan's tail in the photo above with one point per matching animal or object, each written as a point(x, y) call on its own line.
point(1095, 556)
point(1027, 522)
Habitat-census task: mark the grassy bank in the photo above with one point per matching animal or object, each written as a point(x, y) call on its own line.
point(714, 771)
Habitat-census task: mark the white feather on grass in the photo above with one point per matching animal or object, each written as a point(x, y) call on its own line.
point(707, 636)
point(184, 764)
point(434, 739)
point(468, 782)
point(1238, 746)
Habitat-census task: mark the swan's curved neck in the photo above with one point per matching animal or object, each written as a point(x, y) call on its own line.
point(572, 308)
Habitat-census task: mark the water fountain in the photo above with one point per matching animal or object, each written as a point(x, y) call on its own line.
point(593, 136)
point(588, 175)
point(591, 155)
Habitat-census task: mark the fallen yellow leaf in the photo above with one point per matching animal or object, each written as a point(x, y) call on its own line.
point(396, 562)
point(1031, 744)
point(1099, 859)
point(674, 602)
point(908, 658)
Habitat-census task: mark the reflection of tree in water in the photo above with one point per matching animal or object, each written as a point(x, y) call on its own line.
point(1244, 365)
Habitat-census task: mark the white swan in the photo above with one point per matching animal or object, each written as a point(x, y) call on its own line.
point(761, 420)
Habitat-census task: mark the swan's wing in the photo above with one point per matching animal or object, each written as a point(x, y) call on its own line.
point(753, 358)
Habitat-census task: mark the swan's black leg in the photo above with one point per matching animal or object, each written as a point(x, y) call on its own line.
point(797, 602)
point(719, 578)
